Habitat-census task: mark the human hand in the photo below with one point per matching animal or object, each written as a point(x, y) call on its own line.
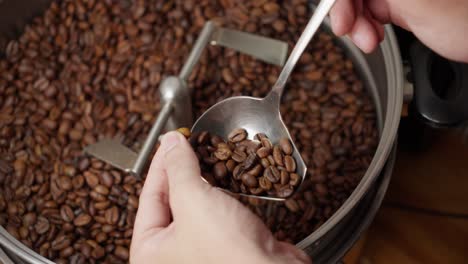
point(440, 25)
point(182, 219)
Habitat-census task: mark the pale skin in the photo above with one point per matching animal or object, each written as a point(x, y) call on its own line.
point(182, 219)
point(441, 25)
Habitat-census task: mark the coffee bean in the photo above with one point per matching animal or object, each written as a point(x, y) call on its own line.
point(230, 165)
point(278, 156)
point(91, 179)
point(265, 183)
point(256, 191)
point(184, 131)
point(286, 146)
point(265, 163)
point(67, 213)
point(285, 192)
point(98, 252)
point(260, 136)
point(292, 205)
point(60, 243)
point(237, 135)
point(295, 179)
point(223, 152)
point(272, 174)
point(290, 163)
point(112, 215)
point(256, 171)
point(101, 189)
point(263, 152)
point(284, 178)
point(250, 161)
point(203, 137)
point(82, 220)
point(106, 179)
point(239, 156)
point(42, 225)
point(121, 252)
point(266, 143)
point(271, 160)
point(249, 180)
point(220, 170)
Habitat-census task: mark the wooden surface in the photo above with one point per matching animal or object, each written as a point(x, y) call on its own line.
point(424, 218)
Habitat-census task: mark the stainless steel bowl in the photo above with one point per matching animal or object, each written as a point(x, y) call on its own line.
point(382, 73)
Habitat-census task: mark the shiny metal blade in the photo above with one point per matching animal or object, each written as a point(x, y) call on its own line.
point(269, 50)
point(113, 152)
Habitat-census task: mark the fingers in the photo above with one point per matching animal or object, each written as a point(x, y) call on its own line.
point(183, 171)
point(153, 210)
point(353, 17)
point(342, 17)
point(294, 254)
point(364, 35)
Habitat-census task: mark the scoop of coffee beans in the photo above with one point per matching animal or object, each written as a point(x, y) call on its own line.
point(241, 165)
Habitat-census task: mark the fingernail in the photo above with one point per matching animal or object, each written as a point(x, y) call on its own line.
point(359, 39)
point(170, 141)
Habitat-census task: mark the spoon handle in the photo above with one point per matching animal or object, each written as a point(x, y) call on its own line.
point(314, 23)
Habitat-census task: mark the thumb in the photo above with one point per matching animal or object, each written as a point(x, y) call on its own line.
point(182, 170)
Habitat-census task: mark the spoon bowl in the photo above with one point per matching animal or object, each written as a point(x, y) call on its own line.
point(255, 115)
point(262, 115)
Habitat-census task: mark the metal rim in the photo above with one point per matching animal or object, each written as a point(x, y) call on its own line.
point(394, 72)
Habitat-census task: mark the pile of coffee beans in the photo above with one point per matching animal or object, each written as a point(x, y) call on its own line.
point(90, 69)
point(247, 166)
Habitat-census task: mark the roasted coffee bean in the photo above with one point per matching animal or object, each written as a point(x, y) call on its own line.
point(271, 160)
point(266, 143)
point(263, 152)
point(60, 243)
point(272, 174)
point(265, 163)
point(121, 252)
point(284, 178)
point(184, 131)
point(215, 140)
point(203, 137)
point(295, 179)
point(292, 205)
point(239, 156)
point(249, 180)
point(256, 191)
point(256, 171)
point(238, 171)
point(42, 225)
point(219, 170)
point(237, 135)
point(112, 215)
point(286, 146)
point(278, 156)
point(82, 220)
point(67, 213)
point(285, 192)
point(230, 165)
point(265, 183)
point(290, 163)
point(223, 152)
point(250, 161)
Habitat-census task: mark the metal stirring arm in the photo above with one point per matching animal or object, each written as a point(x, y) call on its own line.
point(176, 108)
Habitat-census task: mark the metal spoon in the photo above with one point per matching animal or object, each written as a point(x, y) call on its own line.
point(262, 115)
